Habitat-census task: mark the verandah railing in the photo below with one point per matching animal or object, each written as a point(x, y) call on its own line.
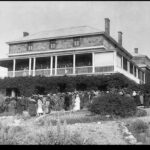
point(63, 71)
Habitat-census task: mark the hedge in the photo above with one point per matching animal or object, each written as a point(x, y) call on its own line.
point(113, 104)
point(28, 85)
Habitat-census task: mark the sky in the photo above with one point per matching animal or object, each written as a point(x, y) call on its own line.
point(130, 17)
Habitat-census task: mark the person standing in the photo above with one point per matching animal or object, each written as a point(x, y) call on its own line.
point(66, 102)
point(44, 104)
point(39, 109)
point(141, 98)
point(77, 103)
point(134, 96)
point(32, 106)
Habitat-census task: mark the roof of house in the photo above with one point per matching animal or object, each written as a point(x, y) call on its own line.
point(63, 32)
point(137, 55)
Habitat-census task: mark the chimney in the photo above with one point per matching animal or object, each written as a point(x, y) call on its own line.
point(120, 38)
point(136, 50)
point(25, 34)
point(107, 26)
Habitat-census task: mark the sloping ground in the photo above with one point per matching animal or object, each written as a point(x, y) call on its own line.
point(101, 133)
point(144, 118)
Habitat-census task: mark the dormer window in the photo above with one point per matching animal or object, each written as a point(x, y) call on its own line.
point(30, 46)
point(52, 44)
point(76, 41)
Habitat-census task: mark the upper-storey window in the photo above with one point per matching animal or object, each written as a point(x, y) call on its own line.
point(131, 68)
point(30, 46)
point(125, 64)
point(52, 44)
point(135, 74)
point(76, 41)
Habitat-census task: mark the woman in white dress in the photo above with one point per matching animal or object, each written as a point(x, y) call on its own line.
point(77, 103)
point(39, 109)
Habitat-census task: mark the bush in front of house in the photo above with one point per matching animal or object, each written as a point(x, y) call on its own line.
point(114, 105)
point(29, 85)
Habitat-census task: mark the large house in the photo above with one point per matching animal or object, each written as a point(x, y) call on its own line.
point(73, 51)
point(143, 62)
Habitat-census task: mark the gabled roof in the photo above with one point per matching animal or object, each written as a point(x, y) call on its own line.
point(140, 56)
point(64, 32)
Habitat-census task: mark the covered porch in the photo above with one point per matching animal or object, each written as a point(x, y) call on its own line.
point(56, 65)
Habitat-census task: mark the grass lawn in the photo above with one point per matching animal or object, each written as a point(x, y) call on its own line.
point(82, 116)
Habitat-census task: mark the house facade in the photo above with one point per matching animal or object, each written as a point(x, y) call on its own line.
point(72, 51)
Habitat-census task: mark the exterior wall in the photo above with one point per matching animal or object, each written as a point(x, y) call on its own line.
point(119, 61)
point(86, 41)
point(147, 75)
point(17, 48)
point(100, 59)
point(143, 60)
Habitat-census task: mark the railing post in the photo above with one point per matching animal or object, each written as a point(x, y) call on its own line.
point(51, 72)
point(55, 65)
point(34, 64)
point(74, 64)
point(30, 59)
point(93, 64)
point(14, 67)
point(144, 78)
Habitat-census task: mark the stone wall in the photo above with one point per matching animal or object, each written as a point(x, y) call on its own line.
point(85, 41)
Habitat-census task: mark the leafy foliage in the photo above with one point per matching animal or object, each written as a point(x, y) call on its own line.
point(113, 104)
point(27, 85)
point(138, 126)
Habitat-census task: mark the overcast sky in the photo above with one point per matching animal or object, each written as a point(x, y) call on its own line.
point(132, 18)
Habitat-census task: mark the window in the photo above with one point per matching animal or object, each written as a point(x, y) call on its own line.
point(76, 41)
point(30, 46)
point(142, 76)
point(131, 68)
point(125, 64)
point(134, 71)
point(52, 44)
point(139, 74)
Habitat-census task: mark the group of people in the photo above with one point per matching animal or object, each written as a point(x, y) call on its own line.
point(38, 105)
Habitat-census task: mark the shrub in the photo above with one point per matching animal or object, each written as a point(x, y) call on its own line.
point(27, 85)
point(113, 104)
point(141, 112)
point(139, 126)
